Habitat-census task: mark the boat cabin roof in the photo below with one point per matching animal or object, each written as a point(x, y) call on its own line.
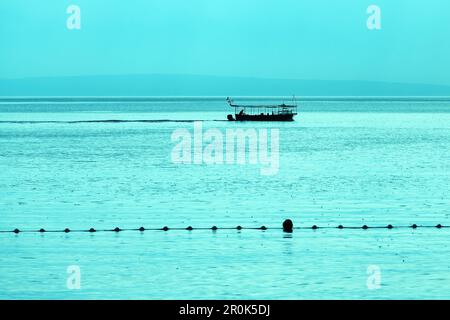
point(273, 106)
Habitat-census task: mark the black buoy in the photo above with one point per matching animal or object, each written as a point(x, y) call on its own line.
point(66, 230)
point(165, 228)
point(214, 228)
point(141, 229)
point(340, 226)
point(117, 229)
point(439, 226)
point(239, 227)
point(314, 227)
point(263, 228)
point(41, 230)
point(389, 226)
point(288, 225)
point(414, 226)
point(365, 227)
point(91, 230)
point(16, 230)
point(189, 228)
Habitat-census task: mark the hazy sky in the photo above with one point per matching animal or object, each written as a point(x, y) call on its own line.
point(304, 39)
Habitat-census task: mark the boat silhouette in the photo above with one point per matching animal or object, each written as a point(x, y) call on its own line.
point(280, 112)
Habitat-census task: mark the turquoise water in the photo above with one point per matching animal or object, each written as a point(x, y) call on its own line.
point(349, 162)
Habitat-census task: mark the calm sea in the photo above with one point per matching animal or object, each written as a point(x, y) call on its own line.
point(343, 161)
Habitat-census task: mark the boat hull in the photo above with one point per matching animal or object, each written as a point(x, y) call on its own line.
point(264, 117)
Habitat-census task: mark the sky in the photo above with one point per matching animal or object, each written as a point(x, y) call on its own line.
point(282, 39)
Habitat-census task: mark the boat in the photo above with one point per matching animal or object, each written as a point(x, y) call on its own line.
point(280, 112)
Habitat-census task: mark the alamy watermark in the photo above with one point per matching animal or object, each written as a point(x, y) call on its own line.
point(73, 281)
point(374, 277)
point(374, 19)
point(74, 19)
point(234, 146)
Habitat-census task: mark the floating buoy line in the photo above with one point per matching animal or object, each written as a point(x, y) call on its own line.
point(287, 226)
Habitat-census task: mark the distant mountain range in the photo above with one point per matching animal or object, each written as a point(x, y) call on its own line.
point(193, 85)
